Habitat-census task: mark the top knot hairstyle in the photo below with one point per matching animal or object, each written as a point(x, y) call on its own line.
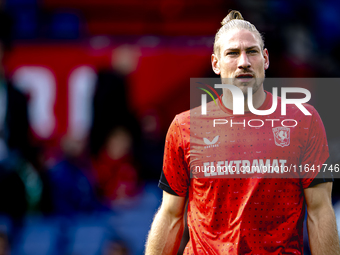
point(232, 15)
point(234, 20)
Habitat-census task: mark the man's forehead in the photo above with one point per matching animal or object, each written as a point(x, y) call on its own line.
point(236, 39)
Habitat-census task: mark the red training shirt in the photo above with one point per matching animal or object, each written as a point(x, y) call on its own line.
point(249, 212)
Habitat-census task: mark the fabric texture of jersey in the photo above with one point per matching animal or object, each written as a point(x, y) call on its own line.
point(251, 213)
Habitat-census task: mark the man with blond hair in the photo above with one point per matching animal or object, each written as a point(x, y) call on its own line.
point(252, 214)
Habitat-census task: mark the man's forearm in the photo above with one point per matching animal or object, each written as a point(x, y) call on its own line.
point(165, 234)
point(323, 234)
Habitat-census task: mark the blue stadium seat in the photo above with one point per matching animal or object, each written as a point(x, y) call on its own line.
point(39, 237)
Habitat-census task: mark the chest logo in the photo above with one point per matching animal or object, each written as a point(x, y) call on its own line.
point(206, 141)
point(281, 136)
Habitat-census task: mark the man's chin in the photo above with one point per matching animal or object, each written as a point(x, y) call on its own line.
point(244, 89)
point(245, 85)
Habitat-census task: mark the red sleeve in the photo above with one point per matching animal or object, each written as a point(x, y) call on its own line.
point(175, 167)
point(316, 152)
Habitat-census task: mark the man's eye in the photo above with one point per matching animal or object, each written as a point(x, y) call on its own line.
point(231, 53)
point(252, 51)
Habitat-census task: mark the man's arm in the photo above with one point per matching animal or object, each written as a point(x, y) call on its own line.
point(321, 223)
point(167, 228)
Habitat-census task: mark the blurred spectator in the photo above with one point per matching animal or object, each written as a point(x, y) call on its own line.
point(71, 187)
point(115, 131)
point(110, 103)
point(152, 144)
point(14, 127)
point(14, 135)
point(115, 168)
point(23, 185)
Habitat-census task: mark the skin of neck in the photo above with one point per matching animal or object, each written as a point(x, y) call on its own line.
point(258, 98)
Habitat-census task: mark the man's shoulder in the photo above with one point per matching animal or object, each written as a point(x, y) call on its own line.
point(182, 119)
point(298, 112)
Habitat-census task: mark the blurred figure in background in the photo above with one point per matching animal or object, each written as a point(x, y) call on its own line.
point(14, 137)
point(152, 143)
point(115, 167)
point(115, 133)
point(23, 183)
point(110, 102)
point(72, 190)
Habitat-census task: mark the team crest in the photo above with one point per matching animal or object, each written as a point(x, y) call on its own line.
point(281, 136)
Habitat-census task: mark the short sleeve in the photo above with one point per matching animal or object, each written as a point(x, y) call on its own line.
point(316, 152)
point(175, 168)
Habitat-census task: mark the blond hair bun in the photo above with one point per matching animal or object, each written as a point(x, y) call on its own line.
point(232, 15)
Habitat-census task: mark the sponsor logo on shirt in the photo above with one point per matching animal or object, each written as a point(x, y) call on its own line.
point(211, 143)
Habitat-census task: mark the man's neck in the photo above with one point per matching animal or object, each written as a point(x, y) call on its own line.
point(258, 99)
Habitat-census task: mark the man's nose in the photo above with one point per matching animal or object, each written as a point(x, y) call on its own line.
point(244, 61)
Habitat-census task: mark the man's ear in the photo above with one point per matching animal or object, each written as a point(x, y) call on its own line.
point(215, 64)
point(266, 59)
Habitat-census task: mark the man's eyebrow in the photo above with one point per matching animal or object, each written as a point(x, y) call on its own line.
point(232, 49)
point(249, 48)
point(253, 47)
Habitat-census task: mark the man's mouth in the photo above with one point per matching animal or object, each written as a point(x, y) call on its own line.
point(244, 76)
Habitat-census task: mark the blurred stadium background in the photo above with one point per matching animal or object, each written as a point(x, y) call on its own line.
point(88, 90)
